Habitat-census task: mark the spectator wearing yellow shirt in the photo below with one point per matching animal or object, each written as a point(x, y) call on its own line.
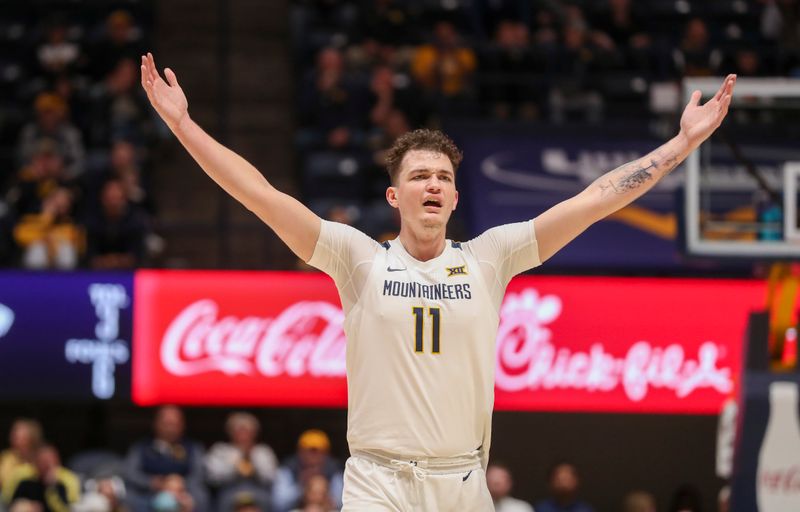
point(45, 482)
point(50, 239)
point(24, 439)
point(444, 67)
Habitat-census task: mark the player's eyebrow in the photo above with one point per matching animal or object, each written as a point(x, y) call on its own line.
point(427, 170)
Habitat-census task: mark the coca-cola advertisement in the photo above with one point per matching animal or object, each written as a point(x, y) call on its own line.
point(563, 344)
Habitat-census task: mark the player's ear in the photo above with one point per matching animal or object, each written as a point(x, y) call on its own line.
point(455, 201)
point(391, 196)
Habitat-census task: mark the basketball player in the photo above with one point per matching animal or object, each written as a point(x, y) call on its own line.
point(422, 311)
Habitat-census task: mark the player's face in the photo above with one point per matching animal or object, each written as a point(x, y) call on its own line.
point(425, 192)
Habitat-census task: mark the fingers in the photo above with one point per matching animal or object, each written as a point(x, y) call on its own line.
point(171, 78)
point(151, 67)
point(695, 99)
point(725, 100)
point(722, 88)
point(147, 80)
point(150, 74)
point(147, 84)
point(726, 87)
point(143, 69)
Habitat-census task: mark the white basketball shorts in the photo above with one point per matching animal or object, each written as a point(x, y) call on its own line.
point(380, 482)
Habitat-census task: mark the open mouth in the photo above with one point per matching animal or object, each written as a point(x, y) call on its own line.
point(432, 202)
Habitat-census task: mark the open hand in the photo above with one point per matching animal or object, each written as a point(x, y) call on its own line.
point(167, 98)
point(698, 122)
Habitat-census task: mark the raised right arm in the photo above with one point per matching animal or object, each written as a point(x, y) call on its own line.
point(293, 222)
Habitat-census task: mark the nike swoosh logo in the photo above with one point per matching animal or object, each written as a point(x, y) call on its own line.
point(465, 478)
point(390, 269)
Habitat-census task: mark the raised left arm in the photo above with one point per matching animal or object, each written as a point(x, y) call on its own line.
point(616, 189)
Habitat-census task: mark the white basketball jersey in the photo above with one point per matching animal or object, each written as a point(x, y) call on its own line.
point(421, 336)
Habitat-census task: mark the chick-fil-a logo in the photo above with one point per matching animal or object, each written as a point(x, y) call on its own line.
point(528, 358)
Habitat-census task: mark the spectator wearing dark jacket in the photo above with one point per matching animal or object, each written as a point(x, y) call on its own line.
point(312, 458)
point(168, 452)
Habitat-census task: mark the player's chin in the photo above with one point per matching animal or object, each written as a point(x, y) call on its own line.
point(434, 219)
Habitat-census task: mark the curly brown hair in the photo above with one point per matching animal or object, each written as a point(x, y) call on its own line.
point(421, 139)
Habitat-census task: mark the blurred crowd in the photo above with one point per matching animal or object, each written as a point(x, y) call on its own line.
point(368, 71)
point(76, 129)
point(170, 472)
point(76, 132)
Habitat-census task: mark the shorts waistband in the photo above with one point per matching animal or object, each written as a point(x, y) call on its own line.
point(428, 465)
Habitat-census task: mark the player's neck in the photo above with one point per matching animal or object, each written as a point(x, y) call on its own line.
point(423, 246)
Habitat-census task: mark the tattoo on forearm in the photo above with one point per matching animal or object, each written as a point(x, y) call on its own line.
point(632, 176)
point(634, 179)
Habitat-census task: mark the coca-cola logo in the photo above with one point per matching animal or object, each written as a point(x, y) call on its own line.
point(307, 338)
point(527, 358)
point(780, 480)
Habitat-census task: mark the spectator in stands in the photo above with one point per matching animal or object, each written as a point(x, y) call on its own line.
point(43, 174)
point(747, 62)
point(73, 88)
point(499, 482)
point(392, 126)
point(52, 122)
point(695, 56)
point(44, 482)
point(779, 24)
point(119, 108)
point(51, 239)
point(57, 54)
point(316, 496)
point(125, 167)
point(312, 459)
point(626, 27)
point(108, 490)
point(24, 440)
point(121, 40)
point(173, 496)
point(332, 103)
point(514, 73)
point(575, 87)
point(241, 465)
point(168, 452)
point(564, 483)
point(445, 67)
point(639, 501)
point(779, 20)
point(117, 235)
point(246, 502)
point(394, 91)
